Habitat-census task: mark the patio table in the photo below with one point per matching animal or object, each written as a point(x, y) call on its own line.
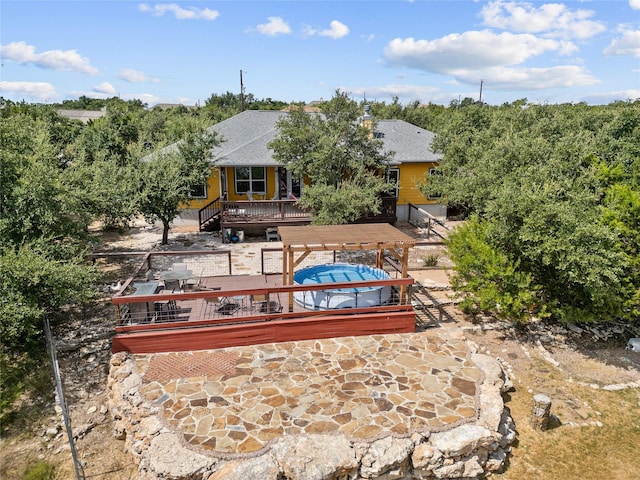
point(181, 275)
point(145, 288)
point(143, 311)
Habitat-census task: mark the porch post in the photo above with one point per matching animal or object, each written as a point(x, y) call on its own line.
point(405, 273)
point(291, 267)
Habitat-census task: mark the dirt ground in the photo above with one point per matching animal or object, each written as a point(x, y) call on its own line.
point(571, 371)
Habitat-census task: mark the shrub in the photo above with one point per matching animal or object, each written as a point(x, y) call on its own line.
point(431, 259)
point(40, 471)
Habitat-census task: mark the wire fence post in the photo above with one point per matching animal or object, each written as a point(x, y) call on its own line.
point(61, 400)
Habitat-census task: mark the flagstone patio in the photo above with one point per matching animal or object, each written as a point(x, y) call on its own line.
point(236, 401)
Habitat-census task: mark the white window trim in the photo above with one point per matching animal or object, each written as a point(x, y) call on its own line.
point(434, 171)
point(250, 180)
point(397, 187)
point(204, 195)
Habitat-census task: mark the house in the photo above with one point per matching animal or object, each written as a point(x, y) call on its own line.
point(85, 116)
point(248, 187)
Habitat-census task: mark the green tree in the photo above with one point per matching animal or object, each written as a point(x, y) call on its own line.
point(547, 185)
point(487, 279)
point(167, 178)
point(34, 283)
point(42, 230)
point(340, 157)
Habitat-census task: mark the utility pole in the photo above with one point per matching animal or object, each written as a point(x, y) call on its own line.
point(241, 93)
point(481, 82)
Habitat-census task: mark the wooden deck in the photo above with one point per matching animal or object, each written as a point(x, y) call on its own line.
point(274, 213)
point(156, 313)
point(227, 313)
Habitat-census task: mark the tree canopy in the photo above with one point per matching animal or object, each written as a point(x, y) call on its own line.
point(168, 177)
point(337, 152)
point(553, 190)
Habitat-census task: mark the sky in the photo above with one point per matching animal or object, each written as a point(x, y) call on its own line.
point(430, 51)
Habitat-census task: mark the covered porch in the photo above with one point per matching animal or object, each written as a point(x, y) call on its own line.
point(220, 214)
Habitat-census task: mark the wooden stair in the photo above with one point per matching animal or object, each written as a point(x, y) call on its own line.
point(429, 308)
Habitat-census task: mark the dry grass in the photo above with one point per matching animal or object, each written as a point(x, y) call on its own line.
point(586, 453)
point(576, 448)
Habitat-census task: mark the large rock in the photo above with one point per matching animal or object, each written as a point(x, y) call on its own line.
point(167, 458)
point(462, 440)
point(493, 371)
point(387, 454)
point(317, 457)
point(264, 467)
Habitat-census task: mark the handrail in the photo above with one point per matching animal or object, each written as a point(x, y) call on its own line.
point(116, 300)
point(209, 211)
point(429, 220)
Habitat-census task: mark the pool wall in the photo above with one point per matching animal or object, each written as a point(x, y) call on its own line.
point(357, 297)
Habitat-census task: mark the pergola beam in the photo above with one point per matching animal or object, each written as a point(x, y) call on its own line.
point(315, 238)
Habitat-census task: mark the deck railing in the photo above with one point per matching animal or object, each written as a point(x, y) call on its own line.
point(191, 309)
point(422, 218)
point(262, 211)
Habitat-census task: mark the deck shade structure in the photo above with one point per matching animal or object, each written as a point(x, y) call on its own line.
point(299, 242)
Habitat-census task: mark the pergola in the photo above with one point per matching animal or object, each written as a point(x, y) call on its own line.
point(366, 236)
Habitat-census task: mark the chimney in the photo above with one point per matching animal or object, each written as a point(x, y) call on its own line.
point(367, 120)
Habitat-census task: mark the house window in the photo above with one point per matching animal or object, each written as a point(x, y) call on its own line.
point(251, 179)
point(393, 176)
point(434, 171)
point(198, 191)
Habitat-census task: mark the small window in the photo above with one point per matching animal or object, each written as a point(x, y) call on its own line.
point(198, 191)
point(393, 176)
point(434, 171)
point(251, 179)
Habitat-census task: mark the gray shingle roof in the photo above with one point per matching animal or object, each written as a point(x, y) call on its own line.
point(410, 143)
point(246, 135)
point(83, 115)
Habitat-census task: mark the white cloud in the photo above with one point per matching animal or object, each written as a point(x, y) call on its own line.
point(470, 50)
point(274, 26)
point(627, 44)
point(148, 98)
point(105, 88)
point(58, 60)
point(309, 31)
point(405, 92)
point(609, 97)
point(551, 19)
point(515, 79)
point(336, 30)
point(40, 91)
point(634, 4)
point(190, 13)
point(135, 76)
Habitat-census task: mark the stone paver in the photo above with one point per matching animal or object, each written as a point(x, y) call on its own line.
point(237, 401)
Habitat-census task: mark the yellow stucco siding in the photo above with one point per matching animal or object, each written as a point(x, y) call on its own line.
point(411, 174)
point(213, 191)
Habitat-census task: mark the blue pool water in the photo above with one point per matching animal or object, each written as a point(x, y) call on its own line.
point(342, 297)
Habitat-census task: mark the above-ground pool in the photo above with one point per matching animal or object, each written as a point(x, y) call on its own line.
point(341, 297)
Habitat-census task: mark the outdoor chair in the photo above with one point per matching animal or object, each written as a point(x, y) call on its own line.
point(195, 283)
point(173, 286)
point(262, 303)
point(165, 309)
point(213, 303)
